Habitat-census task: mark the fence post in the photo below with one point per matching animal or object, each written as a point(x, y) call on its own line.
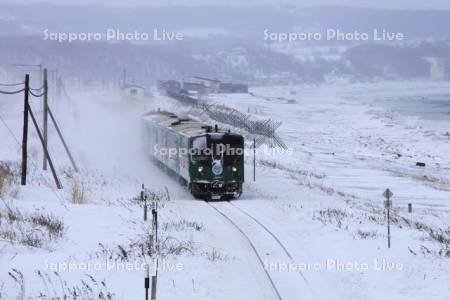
point(389, 226)
point(147, 282)
point(25, 130)
point(144, 199)
point(155, 224)
point(45, 119)
point(388, 204)
point(153, 288)
point(410, 213)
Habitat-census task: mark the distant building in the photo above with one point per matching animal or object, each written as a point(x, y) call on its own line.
point(212, 85)
point(240, 88)
point(133, 91)
point(230, 88)
point(199, 88)
point(439, 68)
point(168, 85)
point(226, 88)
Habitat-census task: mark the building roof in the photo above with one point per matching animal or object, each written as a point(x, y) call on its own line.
point(127, 86)
point(206, 79)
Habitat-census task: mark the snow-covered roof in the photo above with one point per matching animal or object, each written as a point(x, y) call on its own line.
point(128, 86)
point(184, 125)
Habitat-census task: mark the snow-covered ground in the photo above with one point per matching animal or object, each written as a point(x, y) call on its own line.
point(314, 217)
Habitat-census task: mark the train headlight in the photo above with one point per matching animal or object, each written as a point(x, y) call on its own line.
point(234, 169)
point(200, 169)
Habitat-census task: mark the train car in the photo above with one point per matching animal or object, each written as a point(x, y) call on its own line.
point(209, 160)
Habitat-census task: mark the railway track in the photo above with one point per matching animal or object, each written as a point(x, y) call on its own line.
point(264, 243)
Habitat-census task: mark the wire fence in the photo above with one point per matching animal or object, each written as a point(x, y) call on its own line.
point(263, 131)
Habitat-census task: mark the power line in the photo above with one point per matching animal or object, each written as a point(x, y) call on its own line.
point(31, 159)
point(10, 131)
point(11, 84)
point(37, 89)
point(37, 95)
point(12, 93)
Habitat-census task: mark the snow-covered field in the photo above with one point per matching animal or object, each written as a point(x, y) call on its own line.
point(314, 217)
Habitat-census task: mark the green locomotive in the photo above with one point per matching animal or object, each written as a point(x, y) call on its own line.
point(209, 160)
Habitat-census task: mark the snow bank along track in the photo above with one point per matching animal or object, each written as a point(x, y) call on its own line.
point(268, 249)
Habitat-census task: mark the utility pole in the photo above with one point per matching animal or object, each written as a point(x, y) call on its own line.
point(40, 73)
point(124, 77)
point(25, 130)
point(52, 78)
point(74, 165)
point(39, 66)
point(41, 138)
point(45, 119)
point(56, 83)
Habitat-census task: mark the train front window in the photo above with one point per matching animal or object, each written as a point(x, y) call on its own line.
point(200, 149)
point(227, 147)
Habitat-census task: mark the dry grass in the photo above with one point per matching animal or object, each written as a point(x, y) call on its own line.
point(160, 197)
point(438, 239)
point(38, 229)
point(366, 234)
point(56, 288)
point(333, 216)
point(182, 225)
point(216, 255)
point(7, 176)
point(141, 248)
point(78, 191)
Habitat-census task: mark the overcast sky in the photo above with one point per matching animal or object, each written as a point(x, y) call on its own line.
point(391, 4)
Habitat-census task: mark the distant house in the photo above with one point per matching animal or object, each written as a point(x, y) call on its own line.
point(168, 85)
point(240, 88)
point(212, 85)
point(439, 68)
point(133, 91)
point(226, 88)
point(199, 88)
point(229, 88)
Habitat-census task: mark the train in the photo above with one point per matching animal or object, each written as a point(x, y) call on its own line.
point(208, 159)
